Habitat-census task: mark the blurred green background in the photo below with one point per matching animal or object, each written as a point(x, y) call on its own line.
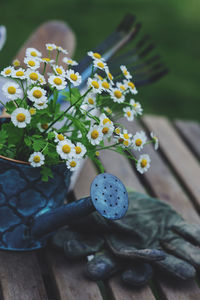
point(174, 26)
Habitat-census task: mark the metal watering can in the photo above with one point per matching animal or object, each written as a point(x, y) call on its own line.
point(31, 210)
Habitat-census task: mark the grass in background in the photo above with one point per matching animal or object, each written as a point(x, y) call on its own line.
point(174, 26)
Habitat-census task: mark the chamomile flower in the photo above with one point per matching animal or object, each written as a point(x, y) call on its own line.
point(109, 75)
point(100, 64)
point(57, 81)
point(8, 71)
point(73, 163)
point(95, 55)
point(98, 77)
point(12, 90)
point(90, 100)
point(47, 60)
point(32, 76)
point(73, 77)
point(122, 86)
point(43, 126)
point(155, 140)
point(41, 80)
point(58, 137)
point(117, 130)
point(59, 70)
point(50, 47)
point(32, 111)
point(105, 85)
point(128, 113)
point(41, 104)
point(105, 120)
point(126, 138)
point(95, 85)
point(143, 163)
point(108, 110)
point(32, 52)
point(16, 63)
point(19, 73)
point(139, 139)
point(107, 130)
point(32, 63)
point(36, 159)
point(125, 72)
point(117, 95)
point(20, 117)
point(137, 107)
point(65, 149)
point(80, 150)
point(131, 86)
point(37, 94)
point(69, 61)
point(60, 49)
point(95, 135)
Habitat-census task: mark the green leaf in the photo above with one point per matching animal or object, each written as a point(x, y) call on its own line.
point(38, 144)
point(46, 173)
point(28, 141)
point(3, 136)
point(10, 107)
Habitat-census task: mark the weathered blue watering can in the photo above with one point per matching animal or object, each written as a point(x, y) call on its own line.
point(31, 210)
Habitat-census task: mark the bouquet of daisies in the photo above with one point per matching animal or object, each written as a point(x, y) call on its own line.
point(44, 132)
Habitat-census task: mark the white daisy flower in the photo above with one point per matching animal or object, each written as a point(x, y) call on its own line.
point(69, 61)
point(32, 111)
point(41, 80)
point(36, 159)
point(41, 104)
point(117, 130)
point(108, 110)
point(60, 49)
point(125, 72)
point(128, 113)
point(98, 77)
point(32, 52)
point(155, 140)
point(12, 90)
point(16, 62)
point(73, 77)
point(59, 70)
point(105, 85)
point(47, 60)
point(131, 86)
point(57, 81)
point(37, 94)
point(73, 163)
point(122, 86)
point(107, 130)
point(43, 126)
point(50, 47)
point(80, 150)
point(143, 163)
point(58, 137)
point(105, 120)
point(137, 107)
point(32, 63)
point(98, 63)
point(95, 85)
point(116, 95)
point(8, 71)
point(20, 117)
point(90, 100)
point(32, 76)
point(95, 135)
point(126, 138)
point(109, 75)
point(139, 139)
point(66, 149)
point(19, 73)
point(95, 55)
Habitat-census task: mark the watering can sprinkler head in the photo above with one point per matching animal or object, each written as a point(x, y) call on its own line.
point(108, 196)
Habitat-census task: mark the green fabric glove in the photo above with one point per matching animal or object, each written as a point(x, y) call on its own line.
point(151, 234)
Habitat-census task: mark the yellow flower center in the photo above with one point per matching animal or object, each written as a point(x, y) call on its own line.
point(44, 126)
point(50, 48)
point(110, 76)
point(126, 143)
point(78, 150)
point(37, 94)
point(118, 94)
point(135, 105)
point(70, 61)
point(57, 81)
point(73, 77)
point(46, 59)
point(33, 76)
point(7, 72)
point(97, 55)
point(16, 63)
point(66, 149)
point(32, 111)
point(143, 163)
point(59, 71)
point(19, 73)
point(36, 159)
point(21, 117)
point(95, 84)
point(41, 104)
point(97, 153)
point(120, 140)
point(131, 84)
point(128, 113)
point(33, 53)
point(125, 72)
point(100, 77)
point(11, 90)
point(122, 87)
point(94, 134)
point(100, 64)
point(106, 120)
point(117, 130)
point(90, 101)
point(138, 142)
point(31, 63)
point(126, 136)
point(73, 164)
point(105, 130)
point(60, 137)
point(106, 85)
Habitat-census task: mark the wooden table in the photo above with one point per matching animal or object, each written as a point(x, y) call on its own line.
point(174, 177)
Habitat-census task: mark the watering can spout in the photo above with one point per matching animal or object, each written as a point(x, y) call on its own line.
point(108, 196)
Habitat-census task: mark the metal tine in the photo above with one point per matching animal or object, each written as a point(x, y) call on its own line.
point(152, 78)
point(149, 71)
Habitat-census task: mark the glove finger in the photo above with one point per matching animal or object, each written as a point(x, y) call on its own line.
point(176, 267)
point(181, 248)
point(102, 266)
point(189, 231)
point(137, 274)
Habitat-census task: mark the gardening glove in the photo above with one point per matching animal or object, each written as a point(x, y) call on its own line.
point(151, 234)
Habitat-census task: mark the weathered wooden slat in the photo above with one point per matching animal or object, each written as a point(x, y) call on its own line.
point(190, 131)
point(180, 157)
point(20, 277)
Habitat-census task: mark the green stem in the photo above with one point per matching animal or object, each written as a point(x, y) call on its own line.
point(45, 65)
